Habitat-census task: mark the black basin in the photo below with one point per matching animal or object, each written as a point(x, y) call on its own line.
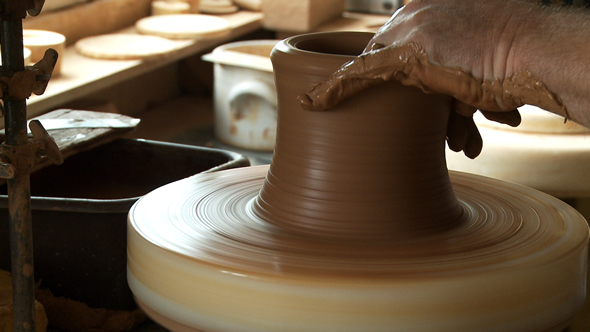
point(79, 212)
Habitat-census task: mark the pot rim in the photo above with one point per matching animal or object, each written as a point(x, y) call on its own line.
point(296, 44)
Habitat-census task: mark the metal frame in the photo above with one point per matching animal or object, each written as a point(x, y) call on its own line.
point(19, 152)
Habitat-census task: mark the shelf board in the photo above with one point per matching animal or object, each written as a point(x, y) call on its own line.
point(82, 75)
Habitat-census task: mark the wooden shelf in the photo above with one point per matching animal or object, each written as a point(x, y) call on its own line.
point(82, 75)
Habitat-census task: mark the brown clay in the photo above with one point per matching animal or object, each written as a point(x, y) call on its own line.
point(367, 167)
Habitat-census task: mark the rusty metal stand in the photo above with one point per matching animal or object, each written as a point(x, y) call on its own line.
point(18, 153)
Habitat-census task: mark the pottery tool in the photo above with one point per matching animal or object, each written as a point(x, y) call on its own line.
point(125, 47)
point(184, 26)
point(80, 130)
point(56, 124)
point(61, 124)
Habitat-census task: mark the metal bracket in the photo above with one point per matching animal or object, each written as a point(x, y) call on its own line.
point(18, 9)
point(20, 85)
point(18, 153)
point(34, 7)
point(45, 143)
point(21, 158)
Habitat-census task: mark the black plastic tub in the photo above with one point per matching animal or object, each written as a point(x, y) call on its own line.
point(79, 212)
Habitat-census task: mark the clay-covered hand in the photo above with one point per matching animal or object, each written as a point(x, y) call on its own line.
point(458, 48)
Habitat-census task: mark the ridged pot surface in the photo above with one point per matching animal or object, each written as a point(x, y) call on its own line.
point(372, 166)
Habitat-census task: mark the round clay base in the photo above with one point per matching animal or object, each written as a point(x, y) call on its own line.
point(199, 258)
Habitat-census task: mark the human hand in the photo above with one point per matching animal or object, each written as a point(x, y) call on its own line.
point(462, 49)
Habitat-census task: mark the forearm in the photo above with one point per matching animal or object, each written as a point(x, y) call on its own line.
point(554, 44)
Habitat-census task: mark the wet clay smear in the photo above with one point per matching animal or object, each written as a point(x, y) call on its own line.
point(409, 64)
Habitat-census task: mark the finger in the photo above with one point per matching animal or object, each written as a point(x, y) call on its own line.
point(371, 46)
point(463, 135)
point(456, 132)
point(511, 118)
point(364, 71)
point(474, 142)
point(463, 109)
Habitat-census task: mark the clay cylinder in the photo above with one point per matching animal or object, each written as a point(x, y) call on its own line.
point(373, 166)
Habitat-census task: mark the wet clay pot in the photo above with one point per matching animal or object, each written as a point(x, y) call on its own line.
point(355, 226)
point(383, 147)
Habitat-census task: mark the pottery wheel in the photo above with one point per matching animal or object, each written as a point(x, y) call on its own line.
point(184, 26)
point(199, 259)
point(124, 47)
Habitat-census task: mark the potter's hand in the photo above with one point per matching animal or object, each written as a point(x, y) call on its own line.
point(409, 64)
point(443, 46)
point(459, 48)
